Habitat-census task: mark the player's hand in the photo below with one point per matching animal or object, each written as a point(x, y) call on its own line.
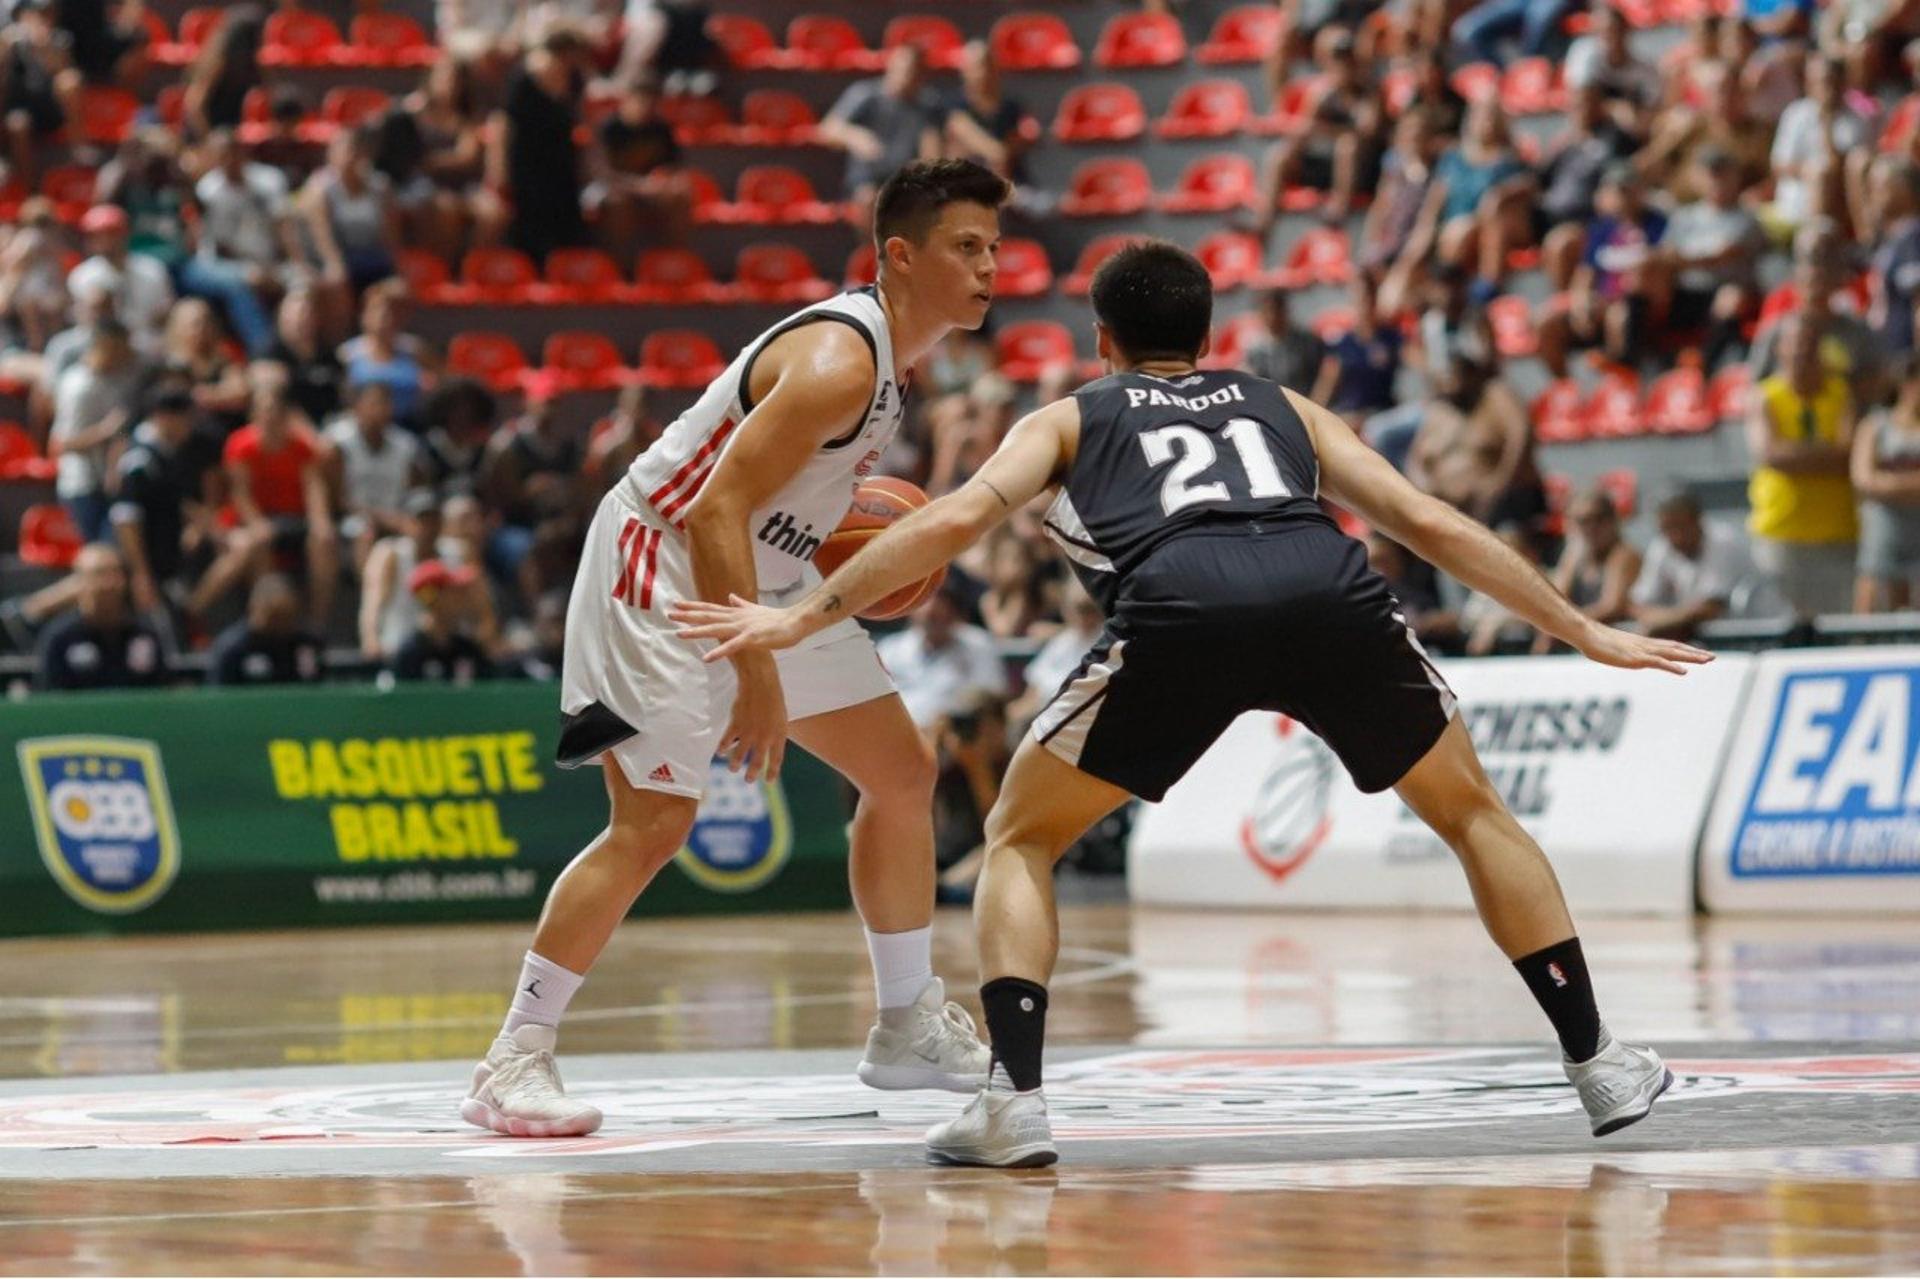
point(756, 736)
point(741, 626)
point(1612, 647)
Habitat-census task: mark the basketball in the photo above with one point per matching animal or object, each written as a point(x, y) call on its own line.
point(877, 503)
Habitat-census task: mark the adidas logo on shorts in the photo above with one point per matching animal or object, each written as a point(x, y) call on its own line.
point(661, 774)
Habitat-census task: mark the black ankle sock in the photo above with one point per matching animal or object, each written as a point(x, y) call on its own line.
point(1557, 976)
point(1017, 1025)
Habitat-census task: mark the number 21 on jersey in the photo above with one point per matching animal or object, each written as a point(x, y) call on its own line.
point(1192, 453)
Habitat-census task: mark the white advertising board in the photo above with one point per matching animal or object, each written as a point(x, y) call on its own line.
point(1612, 771)
point(1819, 804)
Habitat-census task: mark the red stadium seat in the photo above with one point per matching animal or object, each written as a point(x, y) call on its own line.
point(1613, 409)
point(1023, 270)
point(822, 42)
point(709, 201)
point(697, 120)
point(1291, 113)
point(679, 358)
point(106, 114)
point(1560, 413)
point(578, 360)
point(1206, 109)
point(426, 275)
point(161, 46)
point(197, 27)
point(1476, 80)
point(1245, 34)
point(938, 38)
point(1140, 40)
point(1531, 86)
point(769, 194)
point(71, 187)
point(48, 538)
point(348, 106)
point(498, 275)
point(581, 276)
point(777, 273)
point(379, 39)
point(300, 38)
point(1511, 318)
point(20, 457)
point(747, 42)
point(1320, 256)
point(1677, 403)
point(676, 276)
point(1623, 486)
point(1030, 348)
point(1107, 188)
point(1091, 257)
point(492, 358)
point(1212, 184)
point(863, 266)
point(1033, 42)
point(1730, 392)
point(1900, 124)
point(774, 117)
point(1231, 340)
point(1232, 258)
point(1105, 112)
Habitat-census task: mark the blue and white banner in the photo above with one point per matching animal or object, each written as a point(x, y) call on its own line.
point(1819, 805)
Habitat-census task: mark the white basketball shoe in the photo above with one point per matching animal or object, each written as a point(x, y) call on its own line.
point(931, 1043)
point(1619, 1083)
point(999, 1128)
point(517, 1091)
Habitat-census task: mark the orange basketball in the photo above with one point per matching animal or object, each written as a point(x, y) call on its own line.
point(877, 503)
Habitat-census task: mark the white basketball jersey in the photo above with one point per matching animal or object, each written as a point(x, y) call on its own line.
point(789, 529)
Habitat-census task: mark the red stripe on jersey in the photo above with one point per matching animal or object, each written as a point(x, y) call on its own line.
point(675, 509)
point(630, 546)
point(692, 464)
point(653, 559)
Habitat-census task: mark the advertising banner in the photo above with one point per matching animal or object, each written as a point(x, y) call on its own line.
point(1612, 771)
point(347, 805)
point(1819, 806)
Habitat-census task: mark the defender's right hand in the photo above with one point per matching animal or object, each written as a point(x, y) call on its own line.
point(1611, 647)
point(756, 736)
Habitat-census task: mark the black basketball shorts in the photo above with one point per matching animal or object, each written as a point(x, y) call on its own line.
point(1285, 618)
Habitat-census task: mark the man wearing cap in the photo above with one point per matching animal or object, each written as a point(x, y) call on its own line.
point(438, 650)
point(139, 286)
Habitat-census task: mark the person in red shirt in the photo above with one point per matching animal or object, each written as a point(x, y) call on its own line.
point(280, 500)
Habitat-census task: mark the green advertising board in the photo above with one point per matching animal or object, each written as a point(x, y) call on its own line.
point(208, 809)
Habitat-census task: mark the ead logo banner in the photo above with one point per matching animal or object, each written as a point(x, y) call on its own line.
point(1837, 791)
point(103, 818)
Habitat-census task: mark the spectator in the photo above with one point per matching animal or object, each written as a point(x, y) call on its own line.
point(1604, 61)
point(1725, 122)
point(101, 645)
point(374, 464)
point(983, 124)
point(446, 117)
point(138, 287)
point(882, 124)
point(160, 515)
point(1474, 449)
point(1449, 327)
point(247, 234)
point(616, 440)
point(1848, 346)
point(531, 473)
point(1809, 149)
point(68, 347)
point(1337, 147)
point(1014, 605)
point(1416, 589)
point(438, 650)
point(940, 662)
point(1060, 656)
point(459, 418)
point(267, 646)
point(1434, 95)
point(1800, 435)
point(193, 346)
point(1485, 27)
point(108, 40)
point(1482, 195)
point(1490, 627)
point(966, 430)
point(545, 654)
point(281, 142)
point(1391, 243)
point(384, 353)
point(145, 179)
point(315, 378)
point(1282, 352)
point(535, 163)
point(668, 40)
point(351, 222)
point(1895, 274)
point(973, 755)
point(1357, 376)
point(1570, 177)
point(641, 194)
point(388, 610)
point(463, 544)
point(1709, 252)
point(1598, 567)
point(1692, 572)
point(1607, 304)
point(33, 277)
point(93, 406)
point(1886, 476)
point(279, 490)
point(39, 87)
point(1778, 19)
point(227, 70)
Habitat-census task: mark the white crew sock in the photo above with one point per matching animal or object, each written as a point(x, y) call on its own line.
point(902, 965)
point(542, 995)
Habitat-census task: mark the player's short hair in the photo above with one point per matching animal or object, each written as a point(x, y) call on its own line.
point(910, 201)
point(1155, 299)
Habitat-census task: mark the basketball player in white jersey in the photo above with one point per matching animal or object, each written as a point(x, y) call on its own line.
point(732, 501)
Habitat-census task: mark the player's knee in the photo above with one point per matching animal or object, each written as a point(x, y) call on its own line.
point(905, 778)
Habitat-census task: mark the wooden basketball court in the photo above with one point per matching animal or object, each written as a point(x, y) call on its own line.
point(1335, 1093)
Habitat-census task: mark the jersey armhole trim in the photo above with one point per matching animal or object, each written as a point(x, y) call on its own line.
point(801, 322)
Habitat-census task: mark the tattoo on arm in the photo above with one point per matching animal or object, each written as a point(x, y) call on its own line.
point(997, 493)
point(831, 604)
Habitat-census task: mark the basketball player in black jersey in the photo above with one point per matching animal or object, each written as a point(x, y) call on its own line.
point(1188, 503)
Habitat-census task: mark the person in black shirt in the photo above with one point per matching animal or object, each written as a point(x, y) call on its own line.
point(102, 645)
point(642, 194)
point(159, 514)
point(315, 378)
point(267, 646)
point(438, 650)
point(535, 159)
point(982, 123)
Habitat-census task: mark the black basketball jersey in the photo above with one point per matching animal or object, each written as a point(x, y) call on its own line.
point(1160, 457)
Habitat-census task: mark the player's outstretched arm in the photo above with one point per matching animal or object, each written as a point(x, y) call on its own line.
point(1024, 466)
point(1360, 479)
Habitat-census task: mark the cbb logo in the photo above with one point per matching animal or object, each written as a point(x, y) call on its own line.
point(743, 835)
point(103, 818)
point(1291, 814)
